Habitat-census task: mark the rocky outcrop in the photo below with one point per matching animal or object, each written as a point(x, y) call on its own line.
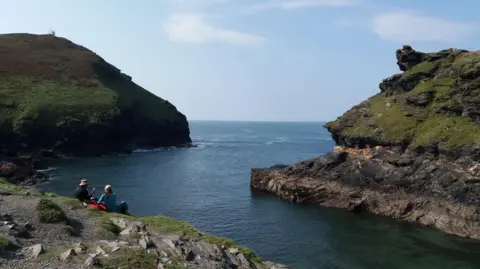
point(410, 152)
point(63, 234)
point(58, 96)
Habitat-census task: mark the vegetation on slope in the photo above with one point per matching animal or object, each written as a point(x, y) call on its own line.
point(49, 211)
point(53, 91)
point(436, 101)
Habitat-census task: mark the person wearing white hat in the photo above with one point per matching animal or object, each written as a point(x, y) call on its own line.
point(109, 199)
point(81, 193)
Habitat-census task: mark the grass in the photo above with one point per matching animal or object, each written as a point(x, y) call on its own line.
point(50, 212)
point(421, 126)
point(52, 89)
point(422, 68)
point(6, 245)
point(127, 258)
point(162, 224)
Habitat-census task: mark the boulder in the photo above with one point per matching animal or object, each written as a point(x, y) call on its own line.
point(33, 251)
point(67, 255)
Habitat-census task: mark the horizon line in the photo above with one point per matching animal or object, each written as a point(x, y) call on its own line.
point(270, 121)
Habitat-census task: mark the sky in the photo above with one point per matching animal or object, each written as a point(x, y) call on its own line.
point(262, 60)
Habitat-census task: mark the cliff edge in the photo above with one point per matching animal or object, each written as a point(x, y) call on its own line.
point(43, 230)
point(59, 96)
point(410, 152)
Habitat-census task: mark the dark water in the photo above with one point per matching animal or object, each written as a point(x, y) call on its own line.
point(209, 187)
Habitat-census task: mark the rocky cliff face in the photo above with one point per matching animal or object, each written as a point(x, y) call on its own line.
point(60, 96)
point(410, 152)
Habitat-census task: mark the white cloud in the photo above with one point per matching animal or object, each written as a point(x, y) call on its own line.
point(193, 28)
point(405, 26)
point(294, 4)
point(197, 2)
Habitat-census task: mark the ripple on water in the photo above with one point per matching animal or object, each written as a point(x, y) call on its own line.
point(208, 186)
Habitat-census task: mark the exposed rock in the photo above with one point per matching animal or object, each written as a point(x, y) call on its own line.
point(67, 255)
point(80, 249)
point(411, 152)
point(6, 217)
point(114, 121)
point(100, 251)
point(92, 261)
point(144, 242)
point(33, 251)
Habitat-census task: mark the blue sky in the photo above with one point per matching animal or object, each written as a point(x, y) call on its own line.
point(281, 60)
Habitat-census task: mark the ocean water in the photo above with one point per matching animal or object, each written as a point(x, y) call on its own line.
point(208, 186)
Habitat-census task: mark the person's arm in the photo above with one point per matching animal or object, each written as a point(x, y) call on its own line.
point(91, 194)
point(100, 200)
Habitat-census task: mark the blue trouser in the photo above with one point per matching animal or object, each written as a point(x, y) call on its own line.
point(122, 207)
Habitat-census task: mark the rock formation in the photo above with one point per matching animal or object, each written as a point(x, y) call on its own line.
point(42, 230)
point(410, 152)
point(59, 96)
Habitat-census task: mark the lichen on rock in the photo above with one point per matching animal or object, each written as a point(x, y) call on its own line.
point(436, 101)
point(410, 152)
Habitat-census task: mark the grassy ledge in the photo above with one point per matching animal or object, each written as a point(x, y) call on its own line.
point(441, 108)
point(50, 211)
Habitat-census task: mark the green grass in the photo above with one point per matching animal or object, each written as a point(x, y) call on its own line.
point(6, 245)
point(422, 68)
point(57, 109)
point(127, 258)
point(164, 224)
point(422, 125)
point(35, 103)
point(50, 212)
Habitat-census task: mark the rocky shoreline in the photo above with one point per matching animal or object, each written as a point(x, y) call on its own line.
point(410, 152)
point(42, 230)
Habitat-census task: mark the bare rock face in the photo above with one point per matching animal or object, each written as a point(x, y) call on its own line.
point(411, 152)
point(194, 252)
point(34, 251)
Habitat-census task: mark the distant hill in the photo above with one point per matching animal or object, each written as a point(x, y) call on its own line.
point(55, 94)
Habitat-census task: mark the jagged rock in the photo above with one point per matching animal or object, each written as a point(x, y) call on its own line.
point(134, 228)
point(144, 242)
point(92, 261)
point(67, 255)
point(6, 217)
point(33, 251)
point(162, 126)
point(28, 226)
point(80, 248)
point(408, 57)
point(121, 223)
point(101, 251)
point(234, 251)
point(410, 152)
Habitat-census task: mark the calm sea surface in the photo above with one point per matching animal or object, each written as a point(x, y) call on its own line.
point(208, 187)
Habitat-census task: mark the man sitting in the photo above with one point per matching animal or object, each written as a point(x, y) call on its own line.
point(81, 193)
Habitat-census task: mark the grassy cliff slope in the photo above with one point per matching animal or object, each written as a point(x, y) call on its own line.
point(54, 93)
point(434, 102)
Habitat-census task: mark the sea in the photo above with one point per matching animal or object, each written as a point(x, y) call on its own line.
point(208, 186)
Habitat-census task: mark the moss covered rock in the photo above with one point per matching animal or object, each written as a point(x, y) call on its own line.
point(435, 101)
point(55, 94)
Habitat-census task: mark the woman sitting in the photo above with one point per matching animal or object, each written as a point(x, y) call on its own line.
point(109, 199)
